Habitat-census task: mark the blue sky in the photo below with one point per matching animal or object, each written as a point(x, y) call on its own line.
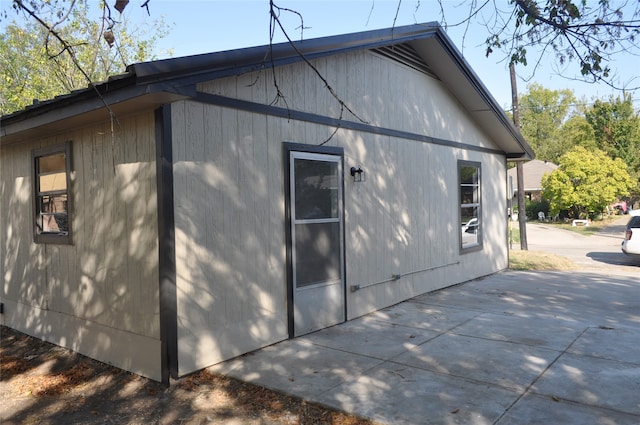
point(201, 26)
point(213, 25)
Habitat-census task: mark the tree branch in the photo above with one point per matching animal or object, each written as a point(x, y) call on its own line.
point(66, 47)
point(274, 11)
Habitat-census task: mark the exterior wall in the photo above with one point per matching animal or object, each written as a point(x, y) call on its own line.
point(229, 199)
point(404, 220)
point(380, 91)
point(99, 295)
point(230, 244)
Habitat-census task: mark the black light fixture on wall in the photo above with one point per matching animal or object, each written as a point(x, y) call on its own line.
point(357, 174)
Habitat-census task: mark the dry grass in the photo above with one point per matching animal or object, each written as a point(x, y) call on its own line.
point(44, 384)
point(538, 260)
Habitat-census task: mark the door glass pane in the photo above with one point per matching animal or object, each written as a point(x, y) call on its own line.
point(316, 189)
point(317, 248)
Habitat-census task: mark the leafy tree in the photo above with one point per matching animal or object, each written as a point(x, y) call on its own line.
point(578, 31)
point(542, 114)
point(585, 182)
point(35, 65)
point(616, 129)
point(577, 131)
point(588, 33)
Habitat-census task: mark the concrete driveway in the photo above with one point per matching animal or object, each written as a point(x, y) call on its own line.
point(512, 348)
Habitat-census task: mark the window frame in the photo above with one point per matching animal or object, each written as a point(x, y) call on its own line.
point(478, 245)
point(36, 155)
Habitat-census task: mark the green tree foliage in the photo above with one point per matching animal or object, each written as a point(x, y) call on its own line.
point(616, 129)
point(542, 114)
point(35, 65)
point(585, 182)
point(577, 131)
point(588, 33)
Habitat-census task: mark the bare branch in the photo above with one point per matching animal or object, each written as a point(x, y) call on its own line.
point(146, 6)
point(373, 4)
point(279, 95)
point(275, 20)
point(395, 18)
point(66, 15)
point(66, 47)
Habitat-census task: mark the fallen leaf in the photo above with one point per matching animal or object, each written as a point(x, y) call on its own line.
point(121, 4)
point(110, 39)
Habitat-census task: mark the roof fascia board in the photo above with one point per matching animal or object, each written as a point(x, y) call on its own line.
point(55, 112)
point(97, 90)
point(488, 99)
point(197, 68)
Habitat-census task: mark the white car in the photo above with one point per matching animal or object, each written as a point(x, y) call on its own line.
point(631, 242)
point(470, 226)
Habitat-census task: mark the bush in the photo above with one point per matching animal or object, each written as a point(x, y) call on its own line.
point(534, 207)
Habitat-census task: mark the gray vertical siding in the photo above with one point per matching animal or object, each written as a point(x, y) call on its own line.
point(98, 296)
point(229, 198)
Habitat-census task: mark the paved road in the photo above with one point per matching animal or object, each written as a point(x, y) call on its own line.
point(598, 251)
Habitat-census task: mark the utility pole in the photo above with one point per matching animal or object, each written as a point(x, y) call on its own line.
point(522, 215)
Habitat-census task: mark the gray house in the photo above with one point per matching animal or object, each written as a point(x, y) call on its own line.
point(182, 217)
point(532, 173)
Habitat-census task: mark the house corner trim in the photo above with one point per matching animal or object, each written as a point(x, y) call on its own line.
point(166, 245)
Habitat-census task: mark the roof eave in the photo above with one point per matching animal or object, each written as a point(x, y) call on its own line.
point(143, 80)
point(236, 62)
point(80, 111)
point(482, 103)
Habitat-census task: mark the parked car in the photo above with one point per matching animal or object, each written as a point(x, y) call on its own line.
point(631, 242)
point(470, 226)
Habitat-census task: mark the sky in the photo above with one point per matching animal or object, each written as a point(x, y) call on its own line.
point(202, 26)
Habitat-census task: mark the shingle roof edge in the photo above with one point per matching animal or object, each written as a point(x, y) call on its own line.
point(246, 59)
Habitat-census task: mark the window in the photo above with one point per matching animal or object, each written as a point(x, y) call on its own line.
point(470, 206)
point(51, 167)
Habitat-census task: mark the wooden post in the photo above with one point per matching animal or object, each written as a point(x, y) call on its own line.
point(522, 215)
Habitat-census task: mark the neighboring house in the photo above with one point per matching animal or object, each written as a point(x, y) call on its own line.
point(532, 173)
point(194, 219)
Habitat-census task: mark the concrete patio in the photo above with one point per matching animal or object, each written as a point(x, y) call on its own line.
point(512, 348)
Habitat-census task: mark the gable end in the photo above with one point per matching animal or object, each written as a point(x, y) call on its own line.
point(406, 55)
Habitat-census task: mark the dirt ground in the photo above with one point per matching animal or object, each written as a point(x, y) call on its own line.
point(41, 383)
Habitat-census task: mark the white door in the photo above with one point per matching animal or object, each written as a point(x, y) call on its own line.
point(317, 259)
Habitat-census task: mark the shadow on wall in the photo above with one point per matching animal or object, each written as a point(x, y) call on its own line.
point(229, 204)
point(99, 294)
point(229, 207)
